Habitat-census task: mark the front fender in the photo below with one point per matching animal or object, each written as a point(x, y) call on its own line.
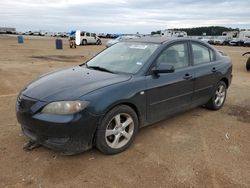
point(130, 93)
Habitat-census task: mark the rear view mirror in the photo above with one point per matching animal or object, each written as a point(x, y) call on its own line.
point(163, 68)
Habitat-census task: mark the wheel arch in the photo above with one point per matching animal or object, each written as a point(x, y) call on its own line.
point(225, 80)
point(130, 104)
point(84, 40)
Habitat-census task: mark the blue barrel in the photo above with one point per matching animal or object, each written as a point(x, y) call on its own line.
point(20, 39)
point(59, 44)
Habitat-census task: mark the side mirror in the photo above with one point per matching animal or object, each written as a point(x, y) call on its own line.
point(163, 68)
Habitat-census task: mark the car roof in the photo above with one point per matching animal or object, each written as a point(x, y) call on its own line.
point(157, 40)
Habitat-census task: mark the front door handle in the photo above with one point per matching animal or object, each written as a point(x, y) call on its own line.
point(187, 76)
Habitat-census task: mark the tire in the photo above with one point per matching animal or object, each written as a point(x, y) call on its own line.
point(84, 42)
point(219, 96)
point(98, 42)
point(114, 135)
point(248, 64)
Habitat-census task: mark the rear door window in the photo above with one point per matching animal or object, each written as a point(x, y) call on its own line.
point(201, 54)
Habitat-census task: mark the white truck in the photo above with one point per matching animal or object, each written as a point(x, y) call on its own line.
point(89, 38)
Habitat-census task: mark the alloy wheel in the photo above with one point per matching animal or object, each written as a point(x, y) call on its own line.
point(119, 131)
point(220, 95)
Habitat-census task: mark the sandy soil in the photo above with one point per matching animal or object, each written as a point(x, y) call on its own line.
point(199, 148)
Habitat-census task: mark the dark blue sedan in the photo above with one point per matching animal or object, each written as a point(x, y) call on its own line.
point(130, 85)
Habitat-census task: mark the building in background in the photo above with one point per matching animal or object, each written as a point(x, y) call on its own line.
point(7, 30)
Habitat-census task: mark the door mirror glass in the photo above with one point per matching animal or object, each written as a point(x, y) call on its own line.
point(163, 68)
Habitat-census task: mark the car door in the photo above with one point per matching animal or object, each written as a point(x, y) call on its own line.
point(206, 72)
point(169, 93)
point(94, 38)
point(88, 37)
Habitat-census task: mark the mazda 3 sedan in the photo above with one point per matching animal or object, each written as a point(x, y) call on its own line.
point(132, 84)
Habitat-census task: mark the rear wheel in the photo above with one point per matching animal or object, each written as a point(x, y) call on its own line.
point(117, 130)
point(219, 97)
point(98, 42)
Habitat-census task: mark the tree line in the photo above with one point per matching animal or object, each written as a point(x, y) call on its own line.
point(197, 31)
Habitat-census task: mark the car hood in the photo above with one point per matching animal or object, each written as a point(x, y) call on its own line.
point(70, 84)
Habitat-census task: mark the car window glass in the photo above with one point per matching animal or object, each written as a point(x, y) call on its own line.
point(201, 54)
point(92, 34)
point(175, 55)
point(87, 34)
point(82, 33)
point(127, 57)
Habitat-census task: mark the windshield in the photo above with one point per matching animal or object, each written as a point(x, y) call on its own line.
point(124, 57)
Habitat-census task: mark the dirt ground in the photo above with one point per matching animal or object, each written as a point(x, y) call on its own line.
point(199, 148)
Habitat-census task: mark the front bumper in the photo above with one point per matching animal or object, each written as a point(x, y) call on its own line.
point(65, 133)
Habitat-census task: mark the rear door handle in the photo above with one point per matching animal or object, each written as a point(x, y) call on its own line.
point(214, 69)
point(187, 76)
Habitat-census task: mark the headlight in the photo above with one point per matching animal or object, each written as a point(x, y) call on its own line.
point(65, 107)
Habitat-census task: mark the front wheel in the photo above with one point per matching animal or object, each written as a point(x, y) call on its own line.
point(84, 42)
point(117, 130)
point(219, 97)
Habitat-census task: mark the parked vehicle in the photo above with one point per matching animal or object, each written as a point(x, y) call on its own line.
point(38, 33)
point(130, 85)
point(244, 34)
point(61, 34)
point(247, 43)
point(119, 39)
point(173, 33)
point(219, 40)
point(236, 42)
point(90, 38)
point(7, 30)
point(28, 33)
point(50, 34)
point(227, 41)
point(211, 40)
point(230, 34)
point(205, 39)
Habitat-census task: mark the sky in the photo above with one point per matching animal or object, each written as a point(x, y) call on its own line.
point(122, 16)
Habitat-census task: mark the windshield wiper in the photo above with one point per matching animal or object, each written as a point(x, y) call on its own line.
point(99, 68)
